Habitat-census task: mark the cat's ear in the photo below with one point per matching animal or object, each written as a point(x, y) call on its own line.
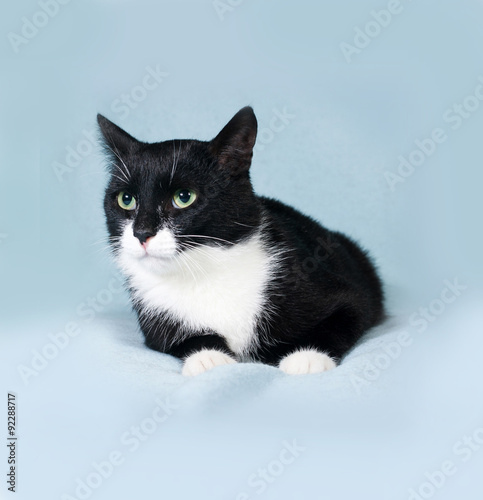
point(233, 146)
point(116, 140)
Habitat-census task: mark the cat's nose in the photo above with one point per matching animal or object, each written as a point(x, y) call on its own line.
point(143, 235)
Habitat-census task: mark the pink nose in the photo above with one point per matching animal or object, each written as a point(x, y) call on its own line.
point(145, 243)
point(143, 234)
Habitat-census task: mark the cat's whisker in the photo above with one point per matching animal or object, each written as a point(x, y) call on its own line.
point(105, 245)
point(191, 271)
point(204, 236)
point(92, 172)
point(175, 160)
point(127, 173)
point(244, 225)
point(101, 251)
point(180, 266)
point(201, 268)
point(205, 253)
point(109, 245)
point(196, 270)
point(106, 239)
point(172, 167)
point(195, 263)
point(117, 177)
point(121, 171)
point(97, 242)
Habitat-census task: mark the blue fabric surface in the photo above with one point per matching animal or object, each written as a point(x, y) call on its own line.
point(402, 417)
point(386, 417)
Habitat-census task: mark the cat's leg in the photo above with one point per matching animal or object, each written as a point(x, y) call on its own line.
point(204, 360)
point(321, 348)
point(306, 360)
point(202, 353)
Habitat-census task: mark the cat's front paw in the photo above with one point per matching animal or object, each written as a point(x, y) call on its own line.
point(306, 361)
point(205, 360)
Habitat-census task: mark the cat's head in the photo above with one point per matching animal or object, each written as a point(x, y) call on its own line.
point(165, 198)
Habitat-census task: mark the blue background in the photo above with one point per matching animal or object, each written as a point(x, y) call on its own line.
point(349, 121)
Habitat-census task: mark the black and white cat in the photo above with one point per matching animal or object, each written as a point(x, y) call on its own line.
point(218, 274)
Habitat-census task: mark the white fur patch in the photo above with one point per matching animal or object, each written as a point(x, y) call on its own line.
point(306, 361)
point(221, 289)
point(205, 360)
point(161, 246)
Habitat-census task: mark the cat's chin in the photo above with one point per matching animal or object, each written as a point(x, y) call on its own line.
point(154, 259)
point(156, 264)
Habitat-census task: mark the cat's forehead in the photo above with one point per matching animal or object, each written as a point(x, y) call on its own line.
point(168, 160)
point(168, 153)
point(161, 153)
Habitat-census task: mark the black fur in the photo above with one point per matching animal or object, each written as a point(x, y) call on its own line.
point(326, 293)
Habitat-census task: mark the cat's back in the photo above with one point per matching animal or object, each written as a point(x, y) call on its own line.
point(317, 247)
point(291, 225)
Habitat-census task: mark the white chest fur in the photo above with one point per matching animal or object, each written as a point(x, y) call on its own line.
point(221, 289)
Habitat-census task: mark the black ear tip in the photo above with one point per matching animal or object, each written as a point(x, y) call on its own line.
point(102, 120)
point(247, 111)
point(248, 115)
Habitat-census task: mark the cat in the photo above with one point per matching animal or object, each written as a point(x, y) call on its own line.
point(219, 275)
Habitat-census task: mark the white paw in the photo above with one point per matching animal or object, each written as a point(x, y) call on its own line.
point(306, 361)
point(205, 360)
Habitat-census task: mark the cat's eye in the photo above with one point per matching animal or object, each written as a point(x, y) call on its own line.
point(126, 200)
point(183, 198)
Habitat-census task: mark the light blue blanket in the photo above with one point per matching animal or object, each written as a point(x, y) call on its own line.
point(400, 415)
point(101, 417)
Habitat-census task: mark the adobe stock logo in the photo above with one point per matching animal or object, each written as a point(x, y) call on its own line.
point(31, 27)
point(455, 116)
point(260, 480)
point(279, 121)
point(75, 154)
point(435, 479)
point(383, 358)
point(127, 101)
point(131, 440)
point(59, 341)
point(222, 7)
point(363, 37)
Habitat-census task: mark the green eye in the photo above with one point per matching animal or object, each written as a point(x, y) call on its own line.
point(183, 198)
point(126, 200)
